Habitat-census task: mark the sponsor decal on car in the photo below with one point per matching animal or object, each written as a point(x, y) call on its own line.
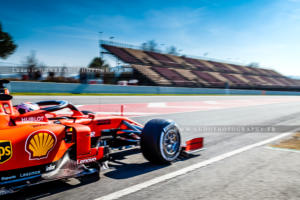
point(32, 119)
point(39, 144)
point(50, 167)
point(5, 151)
point(38, 125)
point(103, 122)
point(6, 178)
point(87, 160)
point(26, 174)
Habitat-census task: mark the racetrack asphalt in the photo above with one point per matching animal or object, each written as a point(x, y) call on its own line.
point(259, 173)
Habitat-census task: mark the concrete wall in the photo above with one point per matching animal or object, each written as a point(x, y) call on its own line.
point(43, 87)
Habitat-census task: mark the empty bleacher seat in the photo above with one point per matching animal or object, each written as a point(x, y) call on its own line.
point(122, 54)
point(152, 75)
point(191, 77)
point(213, 81)
point(197, 64)
point(220, 67)
point(234, 79)
point(164, 60)
point(173, 76)
point(180, 61)
point(146, 59)
point(166, 69)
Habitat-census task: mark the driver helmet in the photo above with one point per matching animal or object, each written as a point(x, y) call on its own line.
point(27, 107)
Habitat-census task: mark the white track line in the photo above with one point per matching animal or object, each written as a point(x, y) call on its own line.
point(157, 105)
point(283, 149)
point(138, 187)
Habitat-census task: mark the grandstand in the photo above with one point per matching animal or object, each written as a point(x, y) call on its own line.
point(154, 68)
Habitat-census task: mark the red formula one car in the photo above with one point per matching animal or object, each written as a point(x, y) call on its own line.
point(42, 145)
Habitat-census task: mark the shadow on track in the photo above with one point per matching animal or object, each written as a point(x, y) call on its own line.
point(46, 189)
point(118, 169)
point(122, 170)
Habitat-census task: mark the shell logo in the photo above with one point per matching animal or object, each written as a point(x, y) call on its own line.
point(39, 144)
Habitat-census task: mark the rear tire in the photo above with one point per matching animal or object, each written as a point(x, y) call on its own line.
point(160, 141)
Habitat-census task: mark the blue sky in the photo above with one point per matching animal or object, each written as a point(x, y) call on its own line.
point(66, 32)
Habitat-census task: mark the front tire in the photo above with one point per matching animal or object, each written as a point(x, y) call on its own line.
point(161, 141)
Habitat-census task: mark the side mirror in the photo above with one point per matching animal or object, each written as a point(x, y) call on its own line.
point(3, 90)
point(4, 81)
point(5, 97)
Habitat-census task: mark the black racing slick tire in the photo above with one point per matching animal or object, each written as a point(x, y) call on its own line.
point(160, 141)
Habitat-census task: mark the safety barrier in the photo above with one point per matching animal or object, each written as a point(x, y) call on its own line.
point(47, 87)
